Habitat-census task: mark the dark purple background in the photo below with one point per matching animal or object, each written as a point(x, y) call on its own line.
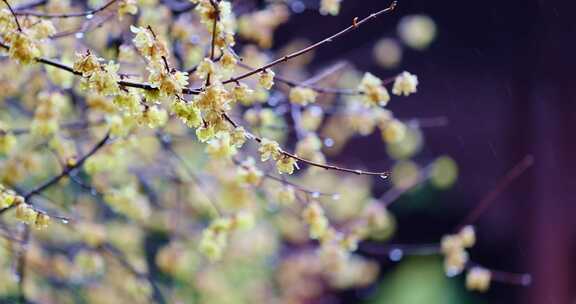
point(502, 73)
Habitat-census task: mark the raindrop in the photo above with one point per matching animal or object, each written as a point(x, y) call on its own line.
point(79, 35)
point(384, 176)
point(65, 221)
point(89, 16)
point(396, 255)
point(328, 142)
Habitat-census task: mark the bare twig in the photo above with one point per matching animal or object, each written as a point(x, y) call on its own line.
point(502, 184)
point(13, 14)
point(67, 15)
point(383, 174)
point(314, 46)
point(123, 261)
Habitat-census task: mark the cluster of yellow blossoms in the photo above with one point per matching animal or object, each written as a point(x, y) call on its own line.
point(270, 149)
point(24, 212)
point(302, 95)
point(26, 37)
point(375, 93)
point(456, 259)
point(330, 7)
point(218, 13)
point(47, 114)
point(215, 237)
point(454, 248)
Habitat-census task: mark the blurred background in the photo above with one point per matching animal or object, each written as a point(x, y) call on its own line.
point(501, 74)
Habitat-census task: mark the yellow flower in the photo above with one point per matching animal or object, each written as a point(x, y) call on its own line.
point(121, 125)
point(220, 146)
point(204, 133)
point(248, 173)
point(129, 101)
point(417, 31)
point(24, 49)
point(238, 137)
point(266, 79)
point(6, 22)
point(244, 220)
point(405, 84)
point(205, 68)
point(7, 142)
point(86, 64)
point(105, 81)
point(455, 262)
point(302, 95)
point(269, 149)
point(228, 61)
point(169, 83)
point(394, 131)
point(127, 7)
point(42, 221)
point(314, 216)
point(242, 93)
point(215, 98)
point(478, 279)
point(451, 243)
point(212, 244)
point(25, 213)
point(7, 198)
point(154, 117)
point(286, 165)
point(467, 236)
point(148, 45)
point(93, 235)
point(43, 29)
point(374, 92)
point(286, 195)
point(330, 7)
point(187, 112)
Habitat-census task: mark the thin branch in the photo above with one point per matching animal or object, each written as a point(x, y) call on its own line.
point(67, 15)
point(76, 125)
point(383, 174)
point(66, 172)
point(31, 4)
point(13, 14)
point(123, 261)
point(86, 27)
point(502, 184)
point(520, 279)
point(213, 38)
point(318, 89)
point(312, 47)
point(167, 146)
point(393, 194)
point(289, 183)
